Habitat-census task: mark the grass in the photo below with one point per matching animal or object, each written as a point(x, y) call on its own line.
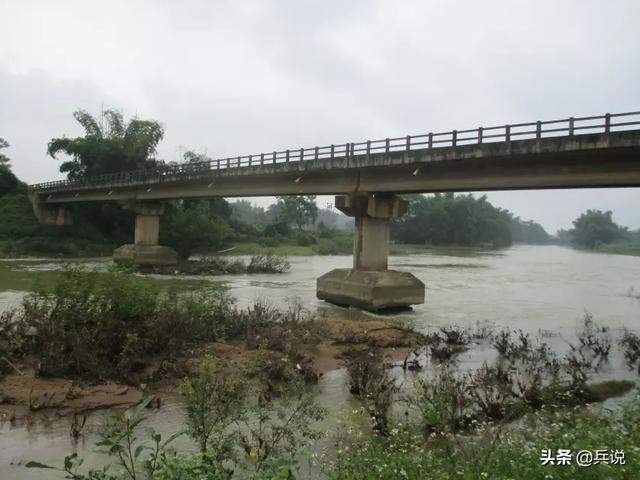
point(621, 249)
point(252, 248)
point(500, 452)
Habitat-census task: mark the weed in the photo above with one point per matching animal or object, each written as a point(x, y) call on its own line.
point(594, 337)
point(369, 379)
point(443, 402)
point(213, 401)
point(631, 343)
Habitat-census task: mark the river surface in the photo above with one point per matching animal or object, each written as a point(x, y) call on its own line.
point(540, 289)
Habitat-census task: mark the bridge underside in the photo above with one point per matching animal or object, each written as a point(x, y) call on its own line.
point(367, 186)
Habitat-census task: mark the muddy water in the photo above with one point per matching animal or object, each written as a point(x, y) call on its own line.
point(544, 290)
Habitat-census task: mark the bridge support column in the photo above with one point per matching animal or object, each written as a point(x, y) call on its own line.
point(369, 284)
point(146, 251)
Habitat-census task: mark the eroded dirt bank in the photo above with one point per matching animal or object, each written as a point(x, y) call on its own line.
point(23, 392)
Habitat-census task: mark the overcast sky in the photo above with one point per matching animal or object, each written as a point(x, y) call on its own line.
point(236, 77)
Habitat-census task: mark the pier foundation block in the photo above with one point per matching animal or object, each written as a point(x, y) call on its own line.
point(369, 284)
point(145, 251)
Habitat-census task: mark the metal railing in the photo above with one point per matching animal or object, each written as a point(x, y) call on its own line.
point(565, 127)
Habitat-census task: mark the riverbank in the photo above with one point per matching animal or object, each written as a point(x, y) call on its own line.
point(394, 249)
point(620, 249)
point(462, 288)
point(23, 392)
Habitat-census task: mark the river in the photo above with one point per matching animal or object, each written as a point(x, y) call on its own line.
point(535, 288)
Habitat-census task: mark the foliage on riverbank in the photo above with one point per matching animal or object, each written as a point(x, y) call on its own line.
point(596, 230)
point(245, 427)
point(449, 219)
point(21, 234)
point(113, 325)
point(500, 451)
point(222, 265)
point(620, 249)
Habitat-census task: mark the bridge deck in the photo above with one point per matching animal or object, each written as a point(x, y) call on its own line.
point(599, 151)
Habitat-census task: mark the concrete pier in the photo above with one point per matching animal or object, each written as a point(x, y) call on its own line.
point(146, 250)
point(369, 284)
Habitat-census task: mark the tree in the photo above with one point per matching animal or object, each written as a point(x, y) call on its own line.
point(108, 146)
point(524, 231)
point(4, 160)
point(189, 228)
point(448, 219)
point(595, 227)
point(300, 209)
point(8, 180)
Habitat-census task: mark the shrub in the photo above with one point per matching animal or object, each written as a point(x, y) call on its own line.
point(104, 325)
point(280, 416)
point(499, 453)
point(269, 263)
point(443, 402)
point(369, 379)
point(631, 343)
point(594, 337)
point(213, 401)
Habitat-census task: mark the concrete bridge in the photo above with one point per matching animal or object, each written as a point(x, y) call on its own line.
point(581, 152)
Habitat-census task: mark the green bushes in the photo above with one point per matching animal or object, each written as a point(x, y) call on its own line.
point(98, 325)
point(499, 452)
point(221, 265)
point(249, 427)
point(106, 325)
point(213, 402)
point(20, 233)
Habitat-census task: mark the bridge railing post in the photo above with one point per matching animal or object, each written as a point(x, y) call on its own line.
point(408, 141)
point(316, 152)
point(430, 140)
point(368, 149)
point(386, 145)
point(301, 154)
point(571, 126)
point(538, 130)
point(287, 157)
point(262, 159)
point(274, 157)
point(454, 138)
point(480, 130)
point(607, 123)
point(333, 148)
point(507, 133)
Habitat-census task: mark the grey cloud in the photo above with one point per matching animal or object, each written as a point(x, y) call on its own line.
point(231, 77)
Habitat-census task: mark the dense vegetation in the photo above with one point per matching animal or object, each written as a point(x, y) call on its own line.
point(465, 220)
point(109, 145)
point(112, 325)
point(596, 230)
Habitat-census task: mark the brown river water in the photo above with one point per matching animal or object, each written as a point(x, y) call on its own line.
point(544, 290)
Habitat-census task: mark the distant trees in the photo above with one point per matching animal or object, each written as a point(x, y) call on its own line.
point(595, 227)
point(188, 228)
point(8, 181)
point(528, 231)
point(109, 145)
point(300, 210)
point(448, 219)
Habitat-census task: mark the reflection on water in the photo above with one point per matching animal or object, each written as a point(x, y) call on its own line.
point(543, 290)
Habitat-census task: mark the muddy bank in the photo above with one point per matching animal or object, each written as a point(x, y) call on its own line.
point(24, 393)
